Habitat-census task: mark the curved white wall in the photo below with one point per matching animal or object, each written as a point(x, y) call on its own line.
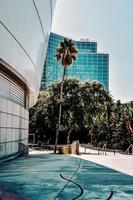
point(24, 30)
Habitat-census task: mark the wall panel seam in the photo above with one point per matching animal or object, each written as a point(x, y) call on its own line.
point(19, 45)
point(40, 21)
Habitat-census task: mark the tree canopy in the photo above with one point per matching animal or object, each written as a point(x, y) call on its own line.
point(89, 113)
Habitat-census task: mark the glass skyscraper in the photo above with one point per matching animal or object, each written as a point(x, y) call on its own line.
point(89, 65)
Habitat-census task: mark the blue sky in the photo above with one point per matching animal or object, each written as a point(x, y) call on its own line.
point(110, 23)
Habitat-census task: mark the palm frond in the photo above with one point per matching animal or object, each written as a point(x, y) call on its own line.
point(66, 52)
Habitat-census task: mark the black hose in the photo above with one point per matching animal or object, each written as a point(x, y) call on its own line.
point(81, 189)
point(69, 180)
point(111, 195)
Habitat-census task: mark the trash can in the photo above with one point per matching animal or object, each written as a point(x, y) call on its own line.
point(69, 149)
point(65, 149)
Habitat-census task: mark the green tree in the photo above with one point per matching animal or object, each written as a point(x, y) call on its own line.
point(93, 97)
point(38, 117)
point(71, 112)
point(87, 110)
point(67, 53)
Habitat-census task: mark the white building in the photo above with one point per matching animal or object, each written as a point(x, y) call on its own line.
point(24, 32)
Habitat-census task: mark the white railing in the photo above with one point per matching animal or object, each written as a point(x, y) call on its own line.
point(129, 150)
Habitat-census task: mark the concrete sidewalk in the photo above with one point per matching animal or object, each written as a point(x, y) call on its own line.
point(118, 162)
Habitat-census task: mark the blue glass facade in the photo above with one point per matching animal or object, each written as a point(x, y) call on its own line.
point(89, 64)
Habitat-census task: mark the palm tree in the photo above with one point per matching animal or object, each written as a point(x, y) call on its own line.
point(67, 53)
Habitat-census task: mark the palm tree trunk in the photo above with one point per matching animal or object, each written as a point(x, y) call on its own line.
point(68, 136)
point(60, 109)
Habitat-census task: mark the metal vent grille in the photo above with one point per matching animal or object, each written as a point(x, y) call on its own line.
point(10, 90)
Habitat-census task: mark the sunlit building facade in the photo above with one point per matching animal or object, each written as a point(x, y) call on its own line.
point(89, 65)
point(24, 32)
